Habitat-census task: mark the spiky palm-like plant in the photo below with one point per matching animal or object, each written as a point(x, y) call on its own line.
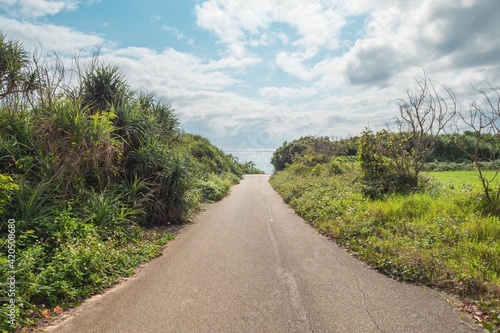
point(163, 114)
point(167, 195)
point(16, 74)
point(83, 144)
point(103, 87)
point(31, 202)
point(113, 217)
point(167, 120)
point(17, 144)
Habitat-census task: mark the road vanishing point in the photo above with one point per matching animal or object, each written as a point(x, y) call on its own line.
point(250, 264)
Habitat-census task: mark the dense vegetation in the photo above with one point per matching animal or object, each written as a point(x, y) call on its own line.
point(88, 170)
point(450, 151)
point(380, 201)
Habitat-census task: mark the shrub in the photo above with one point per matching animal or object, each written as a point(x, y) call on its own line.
point(103, 87)
point(214, 188)
point(114, 218)
point(289, 151)
point(381, 174)
point(7, 187)
point(32, 202)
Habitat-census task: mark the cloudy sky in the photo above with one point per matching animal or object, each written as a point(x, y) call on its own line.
point(252, 74)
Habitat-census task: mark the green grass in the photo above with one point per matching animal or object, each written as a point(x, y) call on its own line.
point(461, 179)
point(438, 238)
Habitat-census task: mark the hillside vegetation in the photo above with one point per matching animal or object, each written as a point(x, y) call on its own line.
point(374, 195)
point(89, 169)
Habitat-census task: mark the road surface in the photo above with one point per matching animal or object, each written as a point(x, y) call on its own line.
point(249, 264)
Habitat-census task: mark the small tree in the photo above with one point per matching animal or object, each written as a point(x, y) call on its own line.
point(392, 161)
point(483, 118)
point(423, 115)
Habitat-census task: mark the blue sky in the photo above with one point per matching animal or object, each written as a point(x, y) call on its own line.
point(252, 74)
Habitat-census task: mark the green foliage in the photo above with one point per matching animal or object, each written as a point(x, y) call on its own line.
point(249, 168)
point(214, 188)
point(114, 219)
point(16, 75)
point(17, 147)
point(7, 187)
point(210, 159)
point(80, 265)
point(82, 146)
point(167, 120)
point(382, 159)
point(319, 149)
point(460, 148)
point(167, 197)
point(492, 324)
point(104, 87)
point(134, 190)
point(286, 154)
point(31, 202)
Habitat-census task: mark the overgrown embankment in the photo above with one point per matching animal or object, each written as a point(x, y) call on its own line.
point(437, 237)
point(87, 173)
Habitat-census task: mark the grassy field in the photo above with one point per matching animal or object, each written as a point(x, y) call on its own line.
point(461, 179)
point(438, 237)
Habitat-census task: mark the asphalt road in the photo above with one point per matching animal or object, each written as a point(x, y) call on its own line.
point(250, 264)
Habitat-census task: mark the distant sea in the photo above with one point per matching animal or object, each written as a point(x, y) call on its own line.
point(261, 157)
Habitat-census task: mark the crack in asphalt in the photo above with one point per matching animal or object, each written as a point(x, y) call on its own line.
point(292, 284)
point(365, 299)
point(287, 277)
point(361, 290)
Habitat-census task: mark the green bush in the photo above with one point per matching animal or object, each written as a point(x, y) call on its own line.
point(289, 151)
point(80, 268)
point(214, 188)
point(7, 187)
point(114, 219)
point(32, 202)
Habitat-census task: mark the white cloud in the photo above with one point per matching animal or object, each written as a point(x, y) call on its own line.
point(269, 38)
point(52, 38)
point(286, 93)
point(293, 64)
point(178, 33)
point(39, 8)
point(438, 35)
point(397, 35)
point(8, 2)
point(233, 63)
point(169, 71)
point(237, 23)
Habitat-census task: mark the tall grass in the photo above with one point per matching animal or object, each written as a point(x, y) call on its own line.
point(31, 202)
point(114, 219)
